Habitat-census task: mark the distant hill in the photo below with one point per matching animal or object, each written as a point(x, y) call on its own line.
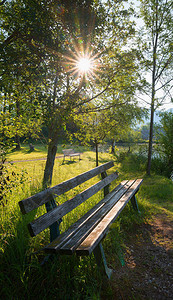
point(156, 117)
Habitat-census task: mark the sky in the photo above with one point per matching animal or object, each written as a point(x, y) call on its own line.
point(167, 103)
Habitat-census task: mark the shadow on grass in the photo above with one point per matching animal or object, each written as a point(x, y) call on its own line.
point(68, 162)
point(104, 160)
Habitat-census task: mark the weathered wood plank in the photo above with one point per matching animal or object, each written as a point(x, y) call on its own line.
point(49, 218)
point(70, 246)
point(41, 198)
point(54, 246)
point(95, 237)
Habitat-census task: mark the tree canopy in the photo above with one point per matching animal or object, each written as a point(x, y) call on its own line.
point(41, 45)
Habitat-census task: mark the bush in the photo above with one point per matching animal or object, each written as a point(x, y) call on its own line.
point(8, 179)
point(160, 166)
point(138, 161)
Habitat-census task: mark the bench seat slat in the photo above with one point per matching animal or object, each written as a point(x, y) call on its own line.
point(95, 237)
point(55, 245)
point(52, 216)
point(70, 246)
point(41, 198)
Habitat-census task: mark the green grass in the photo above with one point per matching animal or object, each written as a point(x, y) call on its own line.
point(40, 151)
point(68, 277)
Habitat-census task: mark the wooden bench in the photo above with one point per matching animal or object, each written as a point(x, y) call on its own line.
point(85, 235)
point(70, 153)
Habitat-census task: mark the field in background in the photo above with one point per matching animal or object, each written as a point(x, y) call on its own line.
point(40, 151)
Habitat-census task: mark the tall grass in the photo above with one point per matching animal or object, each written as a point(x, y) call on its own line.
point(68, 277)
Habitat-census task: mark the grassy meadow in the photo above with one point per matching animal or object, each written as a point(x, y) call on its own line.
point(69, 277)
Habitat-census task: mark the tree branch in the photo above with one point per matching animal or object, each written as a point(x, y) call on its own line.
point(163, 85)
point(164, 67)
point(2, 2)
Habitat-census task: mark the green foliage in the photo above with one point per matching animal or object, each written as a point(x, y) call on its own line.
point(165, 138)
point(46, 40)
point(9, 181)
point(136, 160)
point(97, 127)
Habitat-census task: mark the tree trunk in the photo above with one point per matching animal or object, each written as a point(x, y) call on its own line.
point(154, 63)
point(113, 146)
point(150, 146)
point(97, 157)
point(52, 149)
point(17, 140)
point(48, 171)
point(47, 180)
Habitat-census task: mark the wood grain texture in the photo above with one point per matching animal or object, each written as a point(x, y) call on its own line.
point(49, 218)
point(76, 240)
point(97, 234)
point(41, 198)
point(74, 228)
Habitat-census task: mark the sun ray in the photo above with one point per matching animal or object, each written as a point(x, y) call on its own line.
point(84, 64)
point(81, 62)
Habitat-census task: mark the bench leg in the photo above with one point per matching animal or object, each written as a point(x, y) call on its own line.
point(101, 260)
point(54, 228)
point(135, 204)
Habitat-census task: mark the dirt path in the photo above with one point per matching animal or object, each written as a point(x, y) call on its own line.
point(34, 159)
point(148, 272)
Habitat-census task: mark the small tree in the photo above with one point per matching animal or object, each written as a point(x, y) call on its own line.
point(130, 137)
point(156, 56)
point(95, 127)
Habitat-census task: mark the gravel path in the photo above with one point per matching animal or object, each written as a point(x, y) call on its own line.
point(148, 270)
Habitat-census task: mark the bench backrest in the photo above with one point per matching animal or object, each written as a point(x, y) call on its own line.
point(58, 212)
point(68, 151)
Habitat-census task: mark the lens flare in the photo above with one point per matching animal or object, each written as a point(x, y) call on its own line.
point(80, 63)
point(84, 64)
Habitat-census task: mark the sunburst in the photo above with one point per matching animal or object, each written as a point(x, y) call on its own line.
point(82, 64)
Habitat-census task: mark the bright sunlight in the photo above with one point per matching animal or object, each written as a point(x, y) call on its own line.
point(84, 64)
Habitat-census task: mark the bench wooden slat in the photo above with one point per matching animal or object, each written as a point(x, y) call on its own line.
point(41, 198)
point(70, 246)
point(95, 237)
point(54, 246)
point(52, 216)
